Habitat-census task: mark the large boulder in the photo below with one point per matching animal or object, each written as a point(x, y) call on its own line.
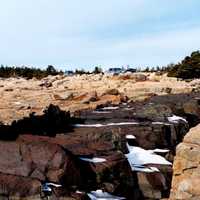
point(115, 173)
point(186, 168)
point(66, 96)
point(112, 92)
point(15, 187)
point(37, 160)
point(154, 112)
point(86, 98)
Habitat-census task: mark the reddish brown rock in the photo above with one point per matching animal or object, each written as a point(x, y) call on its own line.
point(40, 160)
point(18, 186)
point(111, 92)
point(186, 168)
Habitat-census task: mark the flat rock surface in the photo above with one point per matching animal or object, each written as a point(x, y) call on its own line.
point(20, 97)
point(106, 113)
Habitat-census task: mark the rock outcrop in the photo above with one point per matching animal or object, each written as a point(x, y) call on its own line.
point(20, 97)
point(49, 144)
point(186, 176)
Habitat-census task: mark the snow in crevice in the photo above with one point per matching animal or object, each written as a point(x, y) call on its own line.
point(93, 160)
point(110, 108)
point(47, 187)
point(101, 112)
point(100, 195)
point(159, 151)
point(139, 158)
point(146, 169)
point(176, 119)
point(130, 137)
point(104, 125)
point(161, 123)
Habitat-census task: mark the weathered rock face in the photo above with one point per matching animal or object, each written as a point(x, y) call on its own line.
point(98, 133)
point(50, 122)
point(114, 175)
point(20, 97)
point(186, 176)
point(38, 160)
point(18, 187)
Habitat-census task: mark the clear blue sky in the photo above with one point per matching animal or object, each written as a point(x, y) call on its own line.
point(85, 33)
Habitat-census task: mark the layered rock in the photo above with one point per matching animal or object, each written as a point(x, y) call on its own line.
point(186, 176)
point(17, 187)
point(20, 97)
point(98, 133)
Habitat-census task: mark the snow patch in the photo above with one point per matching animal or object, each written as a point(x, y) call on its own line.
point(139, 159)
point(159, 151)
point(104, 125)
point(176, 119)
point(47, 187)
point(100, 195)
point(130, 137)
point(161, 123)
point(93, 160)
point(110, 108)
point(128, 108)
point(139, 156)
point(146, 169)
point(101, 112)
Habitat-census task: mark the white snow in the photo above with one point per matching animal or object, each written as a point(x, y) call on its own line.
point(46, 187)
point(161, 123)
point(79, 192)
point(128, 108)
point(93, 160)
point(100, 195)
point(110, 108)
point(176, 119)
point(53, 184)
point(141, 168)
point(159, 151)
point(140, 156)
point(130, 137)
point(101, 112)
point(104, 125)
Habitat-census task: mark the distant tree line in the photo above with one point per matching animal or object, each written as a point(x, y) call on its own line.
point(26, 72)
point(188, 68)
point(158, 69)
point(97, 70)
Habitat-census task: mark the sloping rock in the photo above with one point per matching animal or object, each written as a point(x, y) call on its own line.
point(115, 172)
point(154, 112)
point(64, 96)
point(186, 168)
point(37, 160)
point(86, 98)
point(18, 186)
point(112, 92)
point(134, 76)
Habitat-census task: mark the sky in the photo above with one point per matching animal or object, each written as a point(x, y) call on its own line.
point(72, 34)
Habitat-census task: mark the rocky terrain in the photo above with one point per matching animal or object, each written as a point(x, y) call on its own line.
point(20, 97)
point(85, 149)
point(185, 184)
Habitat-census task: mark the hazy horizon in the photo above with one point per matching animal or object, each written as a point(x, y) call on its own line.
point(83, 34)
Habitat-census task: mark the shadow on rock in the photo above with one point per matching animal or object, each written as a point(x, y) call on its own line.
point(52, 122)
